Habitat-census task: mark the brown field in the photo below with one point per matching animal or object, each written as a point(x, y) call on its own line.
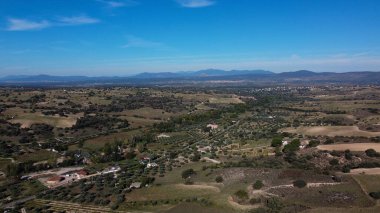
point(331, 131)
point(98, 143)
point(367, 171)
point(26, 119)
point(351, 146)
point(217, 100)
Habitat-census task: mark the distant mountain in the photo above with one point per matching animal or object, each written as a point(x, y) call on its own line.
point(299, 74)
point(202, 73)
point(212, 76)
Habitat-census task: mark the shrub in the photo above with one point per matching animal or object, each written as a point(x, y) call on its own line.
point(346, 169)
point(375, 195)
point(258, 184)
point(276, 142)
point(219, 179)
point(188, 173)
point(372, 153)
point(313, 143)
point(241, 194)
point(254, 201)
point(299, 183)
point(334, 162)
point(292, 146)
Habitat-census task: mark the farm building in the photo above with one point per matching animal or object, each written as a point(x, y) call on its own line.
point(81, 173)
point(135, 185)
point(55, 179)
point(212, 126)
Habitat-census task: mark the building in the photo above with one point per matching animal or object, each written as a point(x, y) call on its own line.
point(151, 165)
point(135, 185)
point(55, 179)
point(81, 173)
point(212, 126)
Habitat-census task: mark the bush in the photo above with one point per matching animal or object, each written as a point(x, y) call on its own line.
point(299, 183)
point(313, 143)
point(372, 153)
point(334, 162)
point(254, 201)
point(188, 173)
point(375, 195)
point(241, 194)
point(219, 179)
point(276, 142)
point(258, 184)
point(346, 169)
point(292, 146)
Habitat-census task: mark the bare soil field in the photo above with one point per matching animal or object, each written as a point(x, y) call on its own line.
point(26, 119)
point(367, 171)
point(331, 131)
point(357, 147)
point(218, 100)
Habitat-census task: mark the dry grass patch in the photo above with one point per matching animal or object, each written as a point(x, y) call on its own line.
point(357, 147)
point(331, 131)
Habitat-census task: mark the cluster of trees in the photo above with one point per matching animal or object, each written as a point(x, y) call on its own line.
point(7, 148)
point(9, 129)
point(372, 153)
point(112, 152)
point(196, 118)
point(100, 121)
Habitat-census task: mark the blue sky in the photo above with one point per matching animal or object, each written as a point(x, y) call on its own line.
point(123, 37)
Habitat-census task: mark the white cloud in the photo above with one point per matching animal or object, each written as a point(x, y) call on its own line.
point(195, 3)
point(77, 20)
point(23, 24)
point(134, 41)
point(15, 24)
point(117, 4)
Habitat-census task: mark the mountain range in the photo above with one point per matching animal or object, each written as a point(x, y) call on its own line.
point(191, 77)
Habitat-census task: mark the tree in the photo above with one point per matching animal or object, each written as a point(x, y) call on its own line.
point(292, 146)
point(219, 179)
point(299, 183)
point(372, 153)
point(276, 142)
point(258, 184)
point(313, 143)
point(188, 173)
point(334, 162)
point(375, 195)
point(241, 194)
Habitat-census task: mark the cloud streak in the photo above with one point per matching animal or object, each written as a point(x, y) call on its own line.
point(77, 20)
point(118, 4)
point(195, 3)
point(133, 41)
point(16, 24)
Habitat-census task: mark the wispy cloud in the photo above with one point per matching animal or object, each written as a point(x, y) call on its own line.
point(117, 4)
point(77, 20)
point(15, 24)
point(133, 41)
point(195, 3)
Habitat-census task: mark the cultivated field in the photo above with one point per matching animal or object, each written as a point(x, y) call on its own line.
point(351, 146)
point(331, 131)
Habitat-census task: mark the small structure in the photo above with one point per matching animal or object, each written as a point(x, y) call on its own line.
point(212, 126)
point(162, 135)
point(55, 179)
point(81, 173)
point(151, 165)
point(135, 185)
point(284, 143)
point(304, 144)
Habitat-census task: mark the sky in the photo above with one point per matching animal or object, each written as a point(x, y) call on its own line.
point(125, 37)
